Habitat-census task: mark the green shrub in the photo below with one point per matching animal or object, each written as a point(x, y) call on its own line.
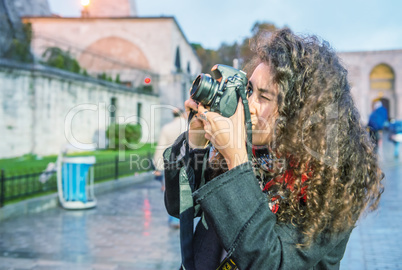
point(146, 88)
point(21, 47)
point(123, 135)
point(56, 57)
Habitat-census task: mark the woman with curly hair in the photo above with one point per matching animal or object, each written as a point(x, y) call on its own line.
point(314, 171)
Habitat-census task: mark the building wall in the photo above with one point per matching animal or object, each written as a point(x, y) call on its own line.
point(155, 40)
point(43, 109)
point(157, 37)
point(360, 65)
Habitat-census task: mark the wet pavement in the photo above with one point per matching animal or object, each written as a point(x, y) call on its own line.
point(376, 242)
point(129, 230)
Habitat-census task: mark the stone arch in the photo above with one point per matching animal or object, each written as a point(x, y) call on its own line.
point(113, 53)
point(382, 87)
point(382, 77)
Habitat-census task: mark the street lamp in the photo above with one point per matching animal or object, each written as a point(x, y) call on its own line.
point(84, 11)
point(85, 3)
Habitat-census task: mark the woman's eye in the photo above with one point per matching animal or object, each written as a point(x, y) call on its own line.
point(249, 91)
point(266, 98)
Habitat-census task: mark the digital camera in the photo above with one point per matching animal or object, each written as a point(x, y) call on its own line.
point(221, 91)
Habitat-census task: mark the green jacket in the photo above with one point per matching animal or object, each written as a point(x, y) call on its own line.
point(238, 219)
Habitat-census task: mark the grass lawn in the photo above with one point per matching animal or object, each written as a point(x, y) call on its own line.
point(23, 173)
point(32, 164)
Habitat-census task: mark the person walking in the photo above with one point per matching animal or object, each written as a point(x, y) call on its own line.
point(168, 135)
point(395, 135)
point(377, 120)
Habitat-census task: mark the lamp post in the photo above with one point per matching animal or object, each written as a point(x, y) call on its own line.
point(85, 11)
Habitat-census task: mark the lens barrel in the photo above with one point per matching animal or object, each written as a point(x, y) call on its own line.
point(204, 89)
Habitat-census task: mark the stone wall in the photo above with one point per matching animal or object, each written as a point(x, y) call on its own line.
point(157, 38)
point(43, 109)
point(360, 65)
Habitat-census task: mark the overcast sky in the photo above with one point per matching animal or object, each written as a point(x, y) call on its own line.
point(349, 25)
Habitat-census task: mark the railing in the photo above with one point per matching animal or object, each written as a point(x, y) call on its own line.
point(14, 187)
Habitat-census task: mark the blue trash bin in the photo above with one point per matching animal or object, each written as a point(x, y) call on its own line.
point(75, 182)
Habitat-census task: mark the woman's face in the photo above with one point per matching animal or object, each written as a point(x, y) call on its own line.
point(263, 103)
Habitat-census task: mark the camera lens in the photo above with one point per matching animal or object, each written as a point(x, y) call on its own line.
point(204, 89)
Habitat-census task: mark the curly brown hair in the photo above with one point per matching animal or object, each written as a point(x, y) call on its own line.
point(320, 126)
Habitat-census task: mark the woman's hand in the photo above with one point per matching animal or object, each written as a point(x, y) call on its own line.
point(196, 133)
point(228, 135)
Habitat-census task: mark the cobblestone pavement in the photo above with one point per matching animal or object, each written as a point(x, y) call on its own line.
point(129, 230)
point(376, 242)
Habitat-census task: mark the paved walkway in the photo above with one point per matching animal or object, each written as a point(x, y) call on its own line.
point(128, 230)
point(376, 242)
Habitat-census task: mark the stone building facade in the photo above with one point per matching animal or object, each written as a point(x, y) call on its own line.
point(147, 53)
point(132, 47)
point(44, 109)
point(375, 75)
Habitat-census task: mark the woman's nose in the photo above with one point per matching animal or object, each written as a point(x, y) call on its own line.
point(251, 103)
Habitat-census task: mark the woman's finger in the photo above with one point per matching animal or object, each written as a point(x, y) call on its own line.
point(202, 113)
point(190, 104)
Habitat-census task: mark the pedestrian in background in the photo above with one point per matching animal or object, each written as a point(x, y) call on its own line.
point(395, 135)
point(168, 135)
point(377, 120)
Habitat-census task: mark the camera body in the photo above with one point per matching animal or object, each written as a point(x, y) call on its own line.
point(221, 91)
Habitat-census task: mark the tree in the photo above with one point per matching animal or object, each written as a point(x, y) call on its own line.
point(207, 57)
point(227, 53)
point(258, 29)
point(20, 49)
point(263, 27)
point(123, 135)
point(56, 57)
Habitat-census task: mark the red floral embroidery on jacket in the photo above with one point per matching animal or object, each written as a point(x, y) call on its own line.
point(288, 178)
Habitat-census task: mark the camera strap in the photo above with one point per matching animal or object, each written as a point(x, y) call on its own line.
point(186, 185)
point(247, 120)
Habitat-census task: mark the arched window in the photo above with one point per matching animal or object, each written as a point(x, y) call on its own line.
point(382, 81)
point(382, 78)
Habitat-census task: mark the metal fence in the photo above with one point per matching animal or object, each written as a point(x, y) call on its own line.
point(14, 187)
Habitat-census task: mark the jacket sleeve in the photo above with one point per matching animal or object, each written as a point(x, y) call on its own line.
point(173, 162)
point(248, 230)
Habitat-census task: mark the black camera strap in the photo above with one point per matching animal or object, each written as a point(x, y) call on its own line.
point(186, 183)
point(248, 124)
